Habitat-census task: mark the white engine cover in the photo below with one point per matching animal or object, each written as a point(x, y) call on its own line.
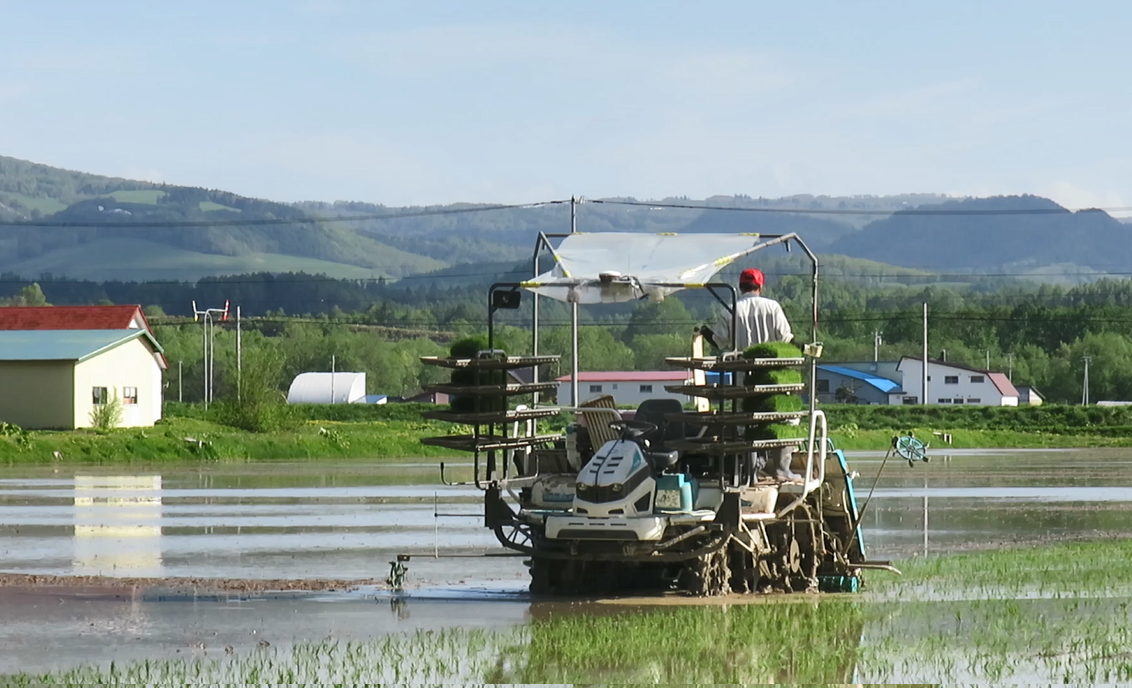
point(617, 481)
point(640, 528)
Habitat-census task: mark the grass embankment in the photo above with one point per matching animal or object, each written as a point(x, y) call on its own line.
point(191, 433)
point(394, 431)
point(1031, 615)
point(1050, 425)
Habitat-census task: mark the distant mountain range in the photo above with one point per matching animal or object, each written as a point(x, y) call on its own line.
point(1022, 234)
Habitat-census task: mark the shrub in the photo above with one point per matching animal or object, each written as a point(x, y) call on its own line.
point(260, 406)
point(106, 417)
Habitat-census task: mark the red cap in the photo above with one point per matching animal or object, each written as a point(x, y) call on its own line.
point(752, 276)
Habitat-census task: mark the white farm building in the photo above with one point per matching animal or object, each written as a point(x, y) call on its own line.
point(954, 384)
point(628, 388)
point(328, 388)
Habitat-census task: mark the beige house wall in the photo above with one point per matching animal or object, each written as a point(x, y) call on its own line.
point(132, 364)
point(38, 395)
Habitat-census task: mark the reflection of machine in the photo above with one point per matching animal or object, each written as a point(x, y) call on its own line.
point(674, 498)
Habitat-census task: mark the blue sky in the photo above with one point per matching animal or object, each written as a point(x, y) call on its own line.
point(444, 101)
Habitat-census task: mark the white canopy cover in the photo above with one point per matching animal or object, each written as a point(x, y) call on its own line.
point(613, 267)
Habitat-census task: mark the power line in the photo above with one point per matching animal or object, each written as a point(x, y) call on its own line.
point(142, 224)
point(393, 280)
point(854, 211)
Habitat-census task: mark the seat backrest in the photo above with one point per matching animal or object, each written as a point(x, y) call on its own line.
point(597, 413)
point(654, 411)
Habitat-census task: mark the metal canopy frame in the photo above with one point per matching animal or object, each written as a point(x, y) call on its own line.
point(543, 244)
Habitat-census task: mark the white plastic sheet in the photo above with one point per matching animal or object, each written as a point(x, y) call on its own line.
point(634, 265)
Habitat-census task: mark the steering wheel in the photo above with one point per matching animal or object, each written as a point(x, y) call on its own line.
point(632, 429)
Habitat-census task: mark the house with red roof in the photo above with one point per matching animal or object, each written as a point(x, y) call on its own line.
point(59, 363)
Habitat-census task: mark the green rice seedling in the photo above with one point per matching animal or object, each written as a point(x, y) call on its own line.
point(773, 350)
point(773, 403)
point(772, 431)
point(774, 376)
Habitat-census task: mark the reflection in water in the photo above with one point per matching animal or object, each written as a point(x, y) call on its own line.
point(761, 643)
point(117, 525)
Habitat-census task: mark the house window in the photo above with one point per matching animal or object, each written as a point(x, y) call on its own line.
point(595, 388)
point(129, 395)
point(823, 386)
point(99, 395)
point(943, 401)
point(958, 401)
point(646, 389)
point(614, 385)
point(910, 400)
point(976, 378)
point(951, 380)
point(974, 401)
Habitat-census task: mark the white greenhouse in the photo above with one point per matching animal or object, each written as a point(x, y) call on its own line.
point(328, 388)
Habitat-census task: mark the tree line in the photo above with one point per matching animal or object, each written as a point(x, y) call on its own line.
point(1038, 333)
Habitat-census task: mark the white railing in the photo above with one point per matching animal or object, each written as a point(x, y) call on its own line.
point(808, 483)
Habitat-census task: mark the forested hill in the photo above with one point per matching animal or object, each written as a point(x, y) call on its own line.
point(222, 233)
point(1048, 235)
point(510, 234)
point(136, 245)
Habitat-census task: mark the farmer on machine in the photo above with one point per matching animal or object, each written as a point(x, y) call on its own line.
point(757, 320)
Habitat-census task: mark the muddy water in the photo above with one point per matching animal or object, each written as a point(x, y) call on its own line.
point(348, 520)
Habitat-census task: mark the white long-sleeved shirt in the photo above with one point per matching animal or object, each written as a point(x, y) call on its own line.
point(758, 320)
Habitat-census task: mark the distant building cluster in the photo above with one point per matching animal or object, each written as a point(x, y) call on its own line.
point(901, 382)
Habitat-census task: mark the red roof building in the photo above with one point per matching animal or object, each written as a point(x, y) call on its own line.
point(73, 318)
point(76, 318)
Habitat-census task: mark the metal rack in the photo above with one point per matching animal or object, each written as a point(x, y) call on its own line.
point(490, 423)
point(724, 423)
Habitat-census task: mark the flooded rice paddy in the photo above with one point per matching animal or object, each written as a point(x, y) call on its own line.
point(326, 522)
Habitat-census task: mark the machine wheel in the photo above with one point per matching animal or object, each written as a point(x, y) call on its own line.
point(744, 571)
point(795, 553)
point(806, 550)
point(708, 575)
point(557, 576)
point(540, 577)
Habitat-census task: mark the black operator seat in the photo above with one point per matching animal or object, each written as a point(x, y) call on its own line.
point(654, 411)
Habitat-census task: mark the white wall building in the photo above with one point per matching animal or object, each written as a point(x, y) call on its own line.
point(954, 384)
point(629, 388)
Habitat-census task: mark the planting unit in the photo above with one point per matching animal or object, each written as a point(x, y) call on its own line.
point(673, 495)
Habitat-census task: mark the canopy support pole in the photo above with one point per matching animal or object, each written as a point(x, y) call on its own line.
point(574, 400)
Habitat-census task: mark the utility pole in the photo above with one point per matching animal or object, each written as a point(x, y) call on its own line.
point(180, 397)
point(1010, 360)
point(332, 362)
point(574, 400)
point(924, 358)
point(988, 360)
point(1085, 385)
point(876, 345)
point(239, 361)
point(209, 340)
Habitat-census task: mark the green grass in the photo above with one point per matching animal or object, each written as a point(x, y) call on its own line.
point(144, 196)
point(1060, 418)
point(166, 441)
point(46, 206)
point(209, 206)
point(852, 439)
point(135, 259)
point(387, 432)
